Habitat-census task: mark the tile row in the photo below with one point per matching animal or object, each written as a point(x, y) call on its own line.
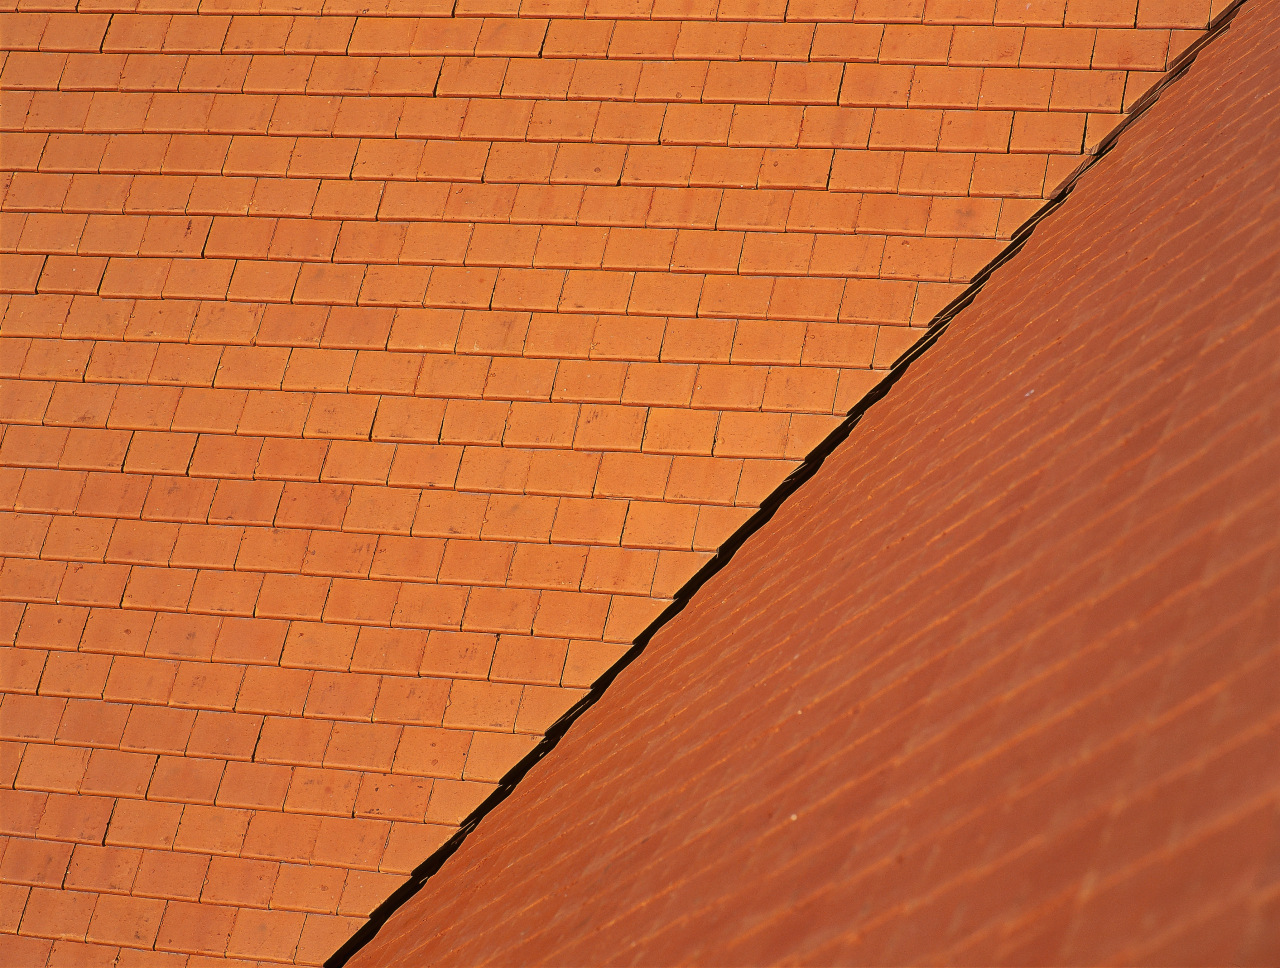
point(242, 594)
point(222, 467)
point(582, 292)
point(513, 356)
point(487, 505)
point(1017, 182)
point(178, 378)
point(1115, 34)
point(770, 357)
point(78, 244)
point(136, 717)
point(454, 265)
point(667, 453)
point(375, 602)
point(240, 785)
point(1180, 13)
point(623, 228)
point(575, 291)
point(266, 666)
point(342, 719)
point(516, 80)
point(211, 527)
point(249, 497)
point(630, 407)
point(281, 470)
point(591, 560)
point(91, 392)
point(385, 783)
point(904, 116)
point(275, 759)
point(555, 174)
point(704, 484)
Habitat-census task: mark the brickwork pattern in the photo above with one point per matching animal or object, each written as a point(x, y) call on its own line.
point(372, 374)
point(998, 684)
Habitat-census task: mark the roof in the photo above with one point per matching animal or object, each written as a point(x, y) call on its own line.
point(996, 685)
point(374, 375)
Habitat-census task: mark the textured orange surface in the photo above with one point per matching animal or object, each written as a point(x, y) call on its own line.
point(373, 375)
point(997, 685)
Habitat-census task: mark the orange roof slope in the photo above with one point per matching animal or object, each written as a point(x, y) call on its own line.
point(372, 376)
point(998, 685)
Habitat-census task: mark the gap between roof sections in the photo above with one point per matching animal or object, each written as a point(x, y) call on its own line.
point(769, 507)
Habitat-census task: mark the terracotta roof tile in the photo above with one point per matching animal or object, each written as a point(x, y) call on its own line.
point(997, 683)
point(373, 376)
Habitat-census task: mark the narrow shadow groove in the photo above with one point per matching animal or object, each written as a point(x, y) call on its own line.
point(799, 476)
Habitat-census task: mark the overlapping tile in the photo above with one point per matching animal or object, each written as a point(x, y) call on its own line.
point(373, 375)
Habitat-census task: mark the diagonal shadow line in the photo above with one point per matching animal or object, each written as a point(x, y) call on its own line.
point(769, 507)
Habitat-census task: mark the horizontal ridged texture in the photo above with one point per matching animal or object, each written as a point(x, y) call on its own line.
point(998, 684)
point(374, 373)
